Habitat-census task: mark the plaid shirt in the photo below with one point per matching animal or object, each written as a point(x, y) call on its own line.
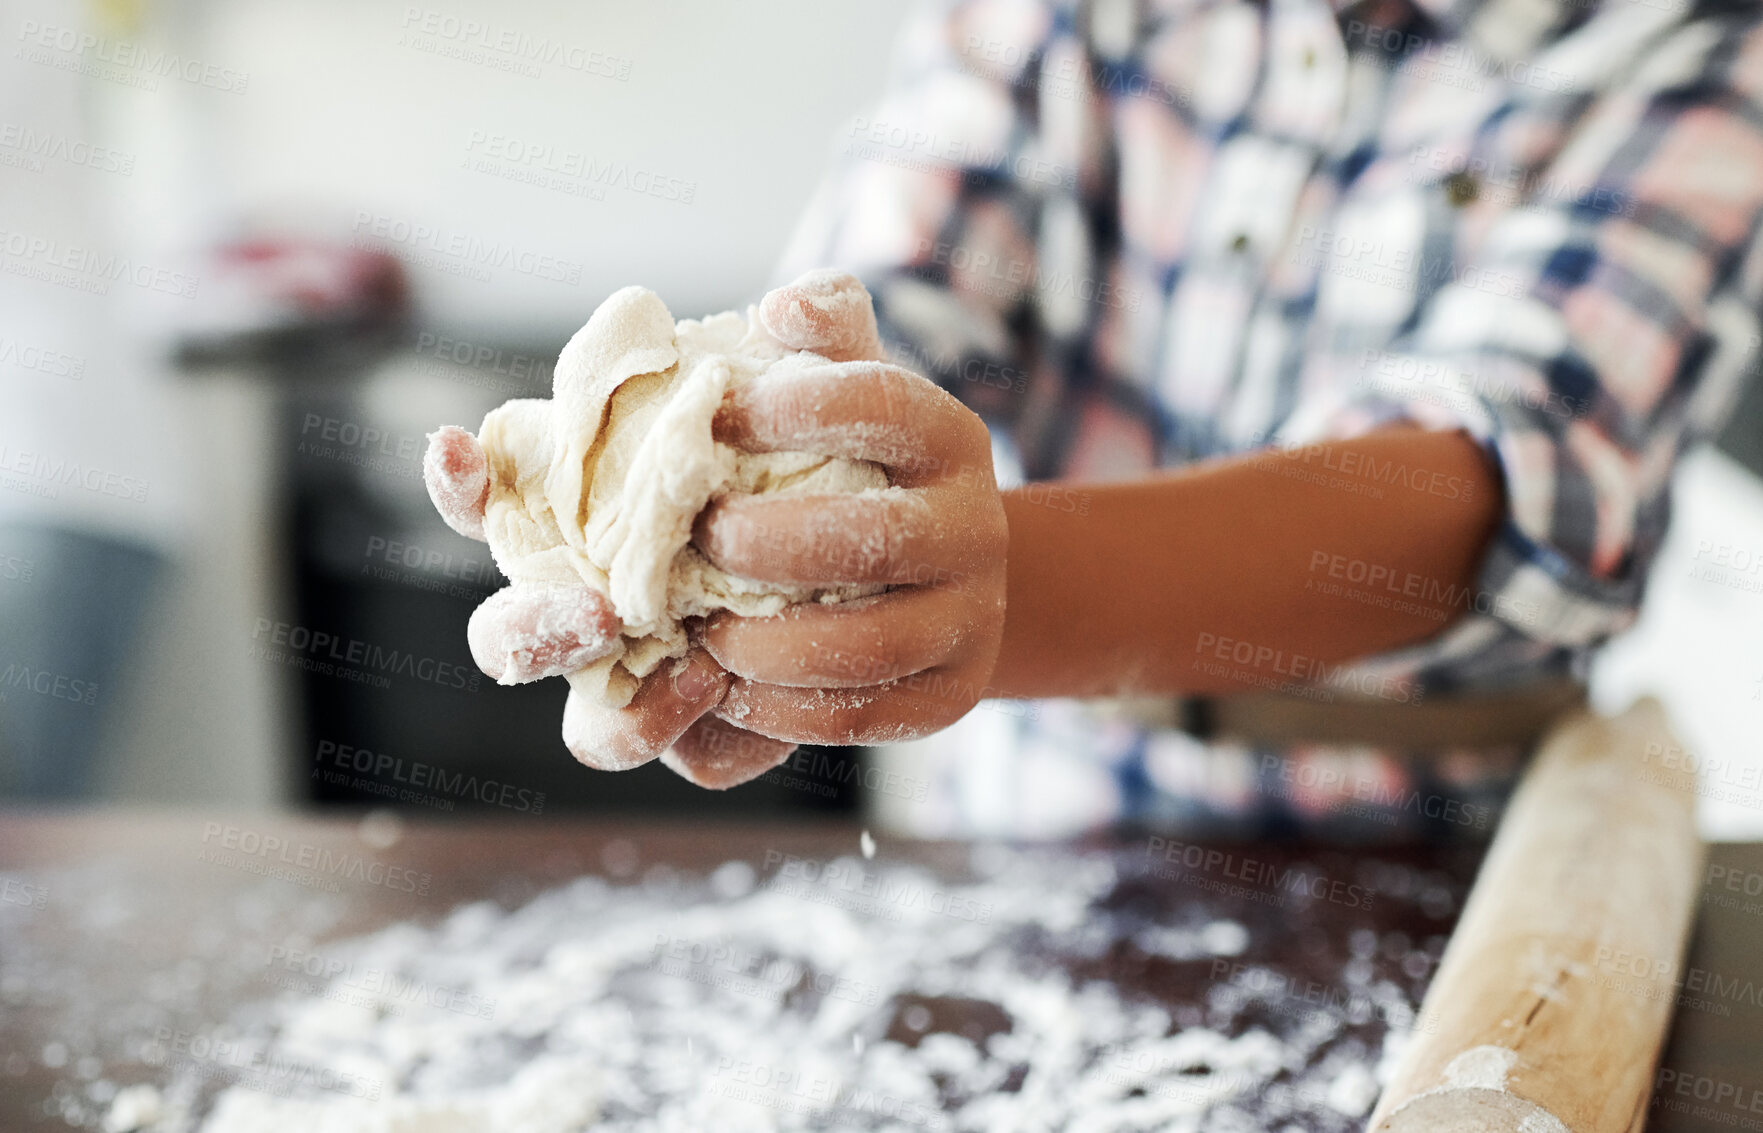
point(1137, 235)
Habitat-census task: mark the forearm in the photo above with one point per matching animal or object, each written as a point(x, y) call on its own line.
point(1243, 571)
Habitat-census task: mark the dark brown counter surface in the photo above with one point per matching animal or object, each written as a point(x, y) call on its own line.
point(117, 923)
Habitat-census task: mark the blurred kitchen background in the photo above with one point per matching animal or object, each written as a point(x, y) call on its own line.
point(253, 251)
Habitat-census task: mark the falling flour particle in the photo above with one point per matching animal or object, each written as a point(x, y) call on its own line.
point(748, 1003)
point(866, 843)
point(599, 484)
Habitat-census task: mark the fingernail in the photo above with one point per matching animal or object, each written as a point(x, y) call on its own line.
point(698, 679)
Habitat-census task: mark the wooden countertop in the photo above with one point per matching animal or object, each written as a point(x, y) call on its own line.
point(116, 924)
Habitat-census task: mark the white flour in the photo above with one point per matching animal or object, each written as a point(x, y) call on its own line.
point(599, 484)
point(830, 995)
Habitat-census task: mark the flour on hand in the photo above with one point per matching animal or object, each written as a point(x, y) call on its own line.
point(600, 484)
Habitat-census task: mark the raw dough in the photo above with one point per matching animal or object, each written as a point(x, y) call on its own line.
point(600, 484)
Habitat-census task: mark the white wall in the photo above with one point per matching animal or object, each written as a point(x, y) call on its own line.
point(739, 100)
point(341, 115)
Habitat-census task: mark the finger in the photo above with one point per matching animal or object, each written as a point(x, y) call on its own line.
point(891, 712)
point(826, 311)
point(894, 536)
point(668, 702)
point(845, 644)
point(524, 633)
point(862, 411)
point(458, 478)
point(715, 754)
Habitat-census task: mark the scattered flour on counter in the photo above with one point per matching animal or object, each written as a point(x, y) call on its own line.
point(1217, 938)
point(134, 1107)
point(1354, 1091)
point(743, 1003)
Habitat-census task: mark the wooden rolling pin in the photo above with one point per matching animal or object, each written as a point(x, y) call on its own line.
point(1553, 997)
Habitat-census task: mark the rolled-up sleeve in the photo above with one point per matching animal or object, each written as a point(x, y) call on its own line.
point(1591, 337)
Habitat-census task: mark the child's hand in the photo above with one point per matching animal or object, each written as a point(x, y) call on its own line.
point(523, 632)
point(900, 664)
point(527, 632)
point(897, 665)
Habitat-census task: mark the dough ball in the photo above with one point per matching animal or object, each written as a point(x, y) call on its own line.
point(600, 484)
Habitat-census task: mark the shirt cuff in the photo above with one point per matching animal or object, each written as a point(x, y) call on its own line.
point(1562, 482)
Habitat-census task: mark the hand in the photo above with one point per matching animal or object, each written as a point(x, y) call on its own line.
point(525, 633)
point(900, 664)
